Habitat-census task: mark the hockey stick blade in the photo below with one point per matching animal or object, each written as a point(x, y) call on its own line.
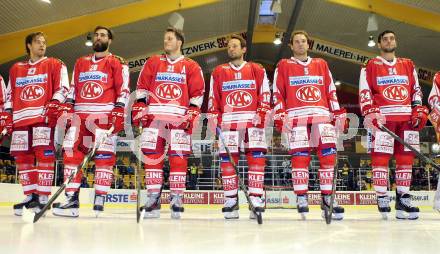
point(72, 175)
point(240, 181)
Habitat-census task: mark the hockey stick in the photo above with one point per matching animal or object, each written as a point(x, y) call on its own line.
point(73, 174)
point(240, 181)
point(328, 211)
point(139, 181)
point(410, 147)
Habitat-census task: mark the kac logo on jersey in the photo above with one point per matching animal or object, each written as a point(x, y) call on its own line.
point(168, 91)
point(308, 94)
point(91, 90)
point(395, 93)
point(239, 99)
point(32, 93)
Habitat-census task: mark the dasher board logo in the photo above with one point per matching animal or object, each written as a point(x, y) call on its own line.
point(37, 79)
point(306, 80)
point(392, 80)
point(308, 93)
point(32, 93)
point(239, 99)
point(171, 77)
point(396, 93)
point(238, 84)
point(168, 91)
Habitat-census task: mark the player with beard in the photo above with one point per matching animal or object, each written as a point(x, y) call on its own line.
point(169, 96)
point(36, 89)
point(238, 102)
point(98, 95)
point(390, 94)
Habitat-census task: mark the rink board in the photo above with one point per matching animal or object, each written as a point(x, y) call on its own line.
point(10, 193)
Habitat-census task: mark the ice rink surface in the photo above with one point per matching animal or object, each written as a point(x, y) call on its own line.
point(203, 230)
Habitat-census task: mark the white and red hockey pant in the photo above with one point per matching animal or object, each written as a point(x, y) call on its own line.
point(229, 176)
point(45, 166)
point(256, 163)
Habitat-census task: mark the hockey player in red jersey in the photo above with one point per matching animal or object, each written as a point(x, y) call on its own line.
point(2, 102)
point(389, 94)
point(434, 117)
point(434, 103)
point(35, 90)
point(98, 95)
point(239, 100)
point(307, 108)
point(169, 95)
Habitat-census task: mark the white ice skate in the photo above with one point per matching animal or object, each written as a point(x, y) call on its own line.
point(176, 206)
point(303, 205)
point(151, 209)
point(98, 204)
point(383, 205)
point(258, 205)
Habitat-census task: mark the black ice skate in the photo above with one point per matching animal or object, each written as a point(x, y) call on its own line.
point(230, 208)
point(30, 202)
point(338, 211)
point(151, 209)
point(70, 208)
point(302, 205)
point(404, 209)
point(98, 204)
point(383, 205)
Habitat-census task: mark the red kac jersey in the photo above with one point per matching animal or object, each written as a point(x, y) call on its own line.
point(237, 92)
point(98, 84)
point(391, 86)
point(305, 90)
point(32, 85)
point(169, 87)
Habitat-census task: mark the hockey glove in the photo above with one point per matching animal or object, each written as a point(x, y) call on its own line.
point(278, 120)
point(117, 119)
point(419, 117)
point(191, 118)
point(260, 117)
point(51, 112)
point(214, 120)
point(139, 114)
point(5, 123)
point(340, 120)
point(373, 117)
